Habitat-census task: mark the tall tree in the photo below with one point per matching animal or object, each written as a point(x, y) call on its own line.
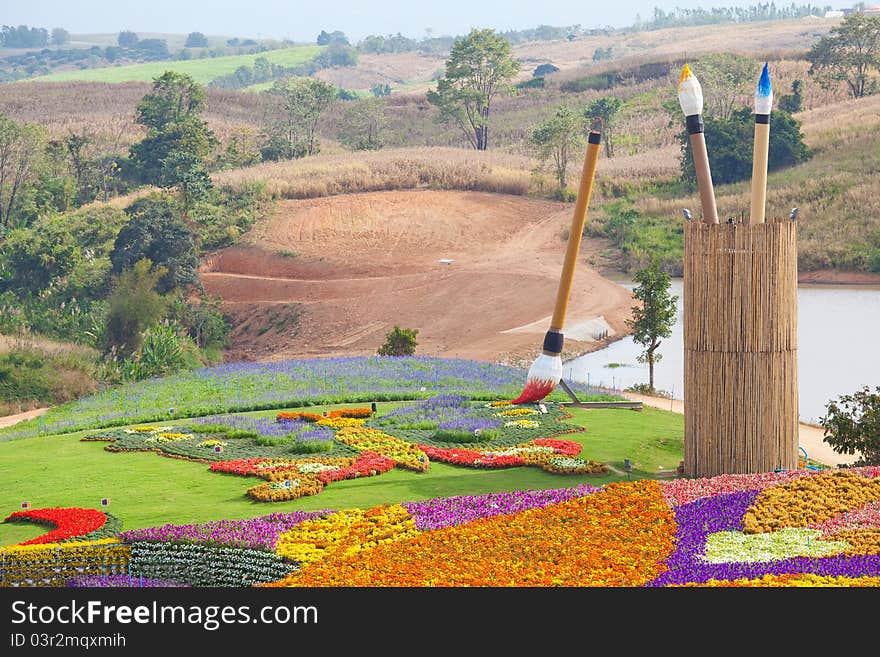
point(21, 150)
point(300, 102)
point(726, 80)
point(362, 124)
point(556, 138)
point(171, 112)
point(127, 39)
point(479, 67)
point(654, 317)
point(848, 54)
point(605, 108)
point(155, 231)
point(60, 36)
point(196, 40)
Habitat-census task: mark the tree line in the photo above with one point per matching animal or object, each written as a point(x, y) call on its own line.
point(685, 16)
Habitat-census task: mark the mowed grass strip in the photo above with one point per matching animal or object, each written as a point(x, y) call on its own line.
point(201, 70)
point(148, 490)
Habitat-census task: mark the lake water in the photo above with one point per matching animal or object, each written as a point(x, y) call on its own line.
point(838, 349)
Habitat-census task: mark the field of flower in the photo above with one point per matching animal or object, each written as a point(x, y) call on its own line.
point(255, 386)
point(299, 453)
point(641, 533)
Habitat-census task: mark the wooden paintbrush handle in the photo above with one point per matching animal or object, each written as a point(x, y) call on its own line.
point(577, 230)
point(704, 178)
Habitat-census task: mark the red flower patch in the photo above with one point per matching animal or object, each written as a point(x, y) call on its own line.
point(68, 522)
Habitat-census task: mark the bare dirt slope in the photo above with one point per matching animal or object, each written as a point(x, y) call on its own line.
point(355, 265)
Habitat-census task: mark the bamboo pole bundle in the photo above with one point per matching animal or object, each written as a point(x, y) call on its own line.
point(740, 347)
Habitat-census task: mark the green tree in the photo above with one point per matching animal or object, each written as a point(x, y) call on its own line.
point(848, 54)
point(171, 112)
point(556, 138)
point(186, 172)
point(399, 342)
point(795, 101)
point(326, 38)
point(60, 36)
point(134, 306)
point(154, 231)
point(380, 90)
point(196, 40)
point(605, 108)
point(174, 98)
point(21, 152)
point(362, 124)
point(731, 144)
point(654, 317)
point(127, 39)
point(479, 67)
point(726, 79)
point(852, 424)
point(300, 102)
point(544, 69)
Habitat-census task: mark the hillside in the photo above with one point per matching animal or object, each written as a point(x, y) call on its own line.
point(331, 276)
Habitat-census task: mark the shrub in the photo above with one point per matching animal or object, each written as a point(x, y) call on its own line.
point(399, 342)
point(852, 424)
point(312, 446)
point(134, 306)
point(461, 436)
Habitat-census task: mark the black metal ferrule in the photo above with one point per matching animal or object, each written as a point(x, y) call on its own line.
point(553, 343)
point(594, 138)
point(762, 118)
point(694, 124)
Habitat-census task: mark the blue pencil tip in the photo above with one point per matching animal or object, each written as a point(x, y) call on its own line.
point(764, 86)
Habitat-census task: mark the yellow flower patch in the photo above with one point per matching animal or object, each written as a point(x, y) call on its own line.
point(341, 422)
point(404, 454)
point(809, 500)
point(513, 412)
point(346, 534)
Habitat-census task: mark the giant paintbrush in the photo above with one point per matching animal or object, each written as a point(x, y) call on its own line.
point(690, 97)
point(546, 371)
point(763, 105)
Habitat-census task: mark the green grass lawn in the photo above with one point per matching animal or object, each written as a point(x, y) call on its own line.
point(202, 70)
point(146, 489)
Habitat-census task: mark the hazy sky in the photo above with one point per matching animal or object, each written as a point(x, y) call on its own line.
point(302, 20)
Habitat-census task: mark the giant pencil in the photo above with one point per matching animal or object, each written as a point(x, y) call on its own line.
point(690, 97)
point(763, 105)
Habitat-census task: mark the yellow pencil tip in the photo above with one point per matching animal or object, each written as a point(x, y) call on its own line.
point(685, 74)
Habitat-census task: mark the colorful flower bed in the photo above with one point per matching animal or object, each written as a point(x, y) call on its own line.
point(238, 387)
point(550, 454)
point(622, 534)
point(68, 523)
point(401, 452)
point(303, 416)
point(618, 536)
point(254, 533)
point(452, 511)
point(706, 517)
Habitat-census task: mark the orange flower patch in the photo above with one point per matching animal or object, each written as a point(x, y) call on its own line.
point(358, 413)
point(620, 536)
point(302, 416)
point(861, 541)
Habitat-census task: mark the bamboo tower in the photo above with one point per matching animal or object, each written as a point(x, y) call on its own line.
point(740, 348)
